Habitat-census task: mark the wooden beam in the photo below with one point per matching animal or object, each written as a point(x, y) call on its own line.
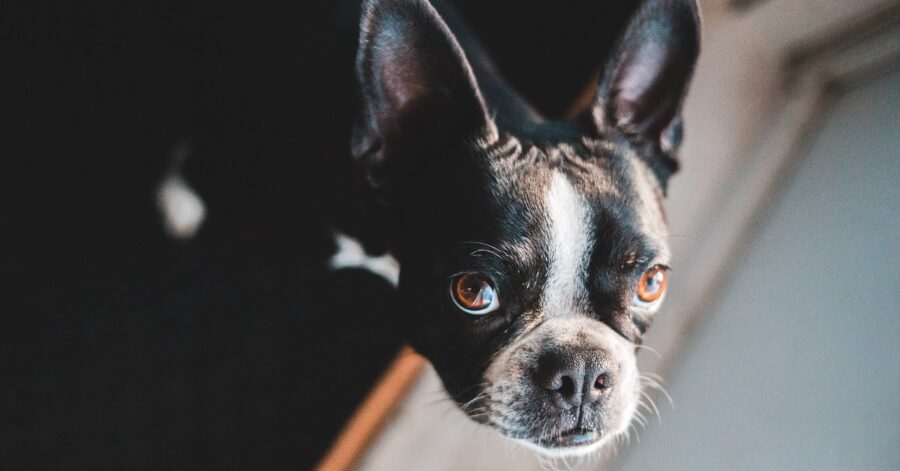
point(373, 412)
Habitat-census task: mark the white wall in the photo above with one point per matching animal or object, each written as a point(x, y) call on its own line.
point(799, 364)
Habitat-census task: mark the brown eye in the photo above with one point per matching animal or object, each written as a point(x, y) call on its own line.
point(652, 285)
point(474, 294)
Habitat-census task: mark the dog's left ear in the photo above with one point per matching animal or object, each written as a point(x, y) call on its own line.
point(645, 81)
point(417, 88)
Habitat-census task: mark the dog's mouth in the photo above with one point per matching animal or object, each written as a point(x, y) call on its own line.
point(574, 441)
point(576, 437)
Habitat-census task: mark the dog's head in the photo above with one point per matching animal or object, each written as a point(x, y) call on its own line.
point(533, 259)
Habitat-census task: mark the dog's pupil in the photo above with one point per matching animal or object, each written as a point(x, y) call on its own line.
point(470, 291)
point(653, 282)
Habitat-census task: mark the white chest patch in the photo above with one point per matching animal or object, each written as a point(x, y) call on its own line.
point(350, 254)
point(569, 242)
point(182, 209)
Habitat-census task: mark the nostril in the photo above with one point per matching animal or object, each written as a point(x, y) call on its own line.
point(551, 373)
point(567, 387)
point(602, 381)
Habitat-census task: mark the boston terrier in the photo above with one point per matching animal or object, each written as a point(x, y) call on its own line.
point(533, 253)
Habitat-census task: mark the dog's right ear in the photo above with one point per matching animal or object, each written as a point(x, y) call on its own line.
point(645, 81)
point(416, 87)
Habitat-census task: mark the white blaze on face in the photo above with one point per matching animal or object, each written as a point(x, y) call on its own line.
point(569, 244)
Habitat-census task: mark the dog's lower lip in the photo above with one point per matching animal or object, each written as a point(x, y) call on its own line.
point(575, 437)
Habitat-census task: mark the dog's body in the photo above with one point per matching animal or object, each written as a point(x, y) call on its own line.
point(451, 171)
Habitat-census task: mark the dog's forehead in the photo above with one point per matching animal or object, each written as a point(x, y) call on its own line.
point(607, 180)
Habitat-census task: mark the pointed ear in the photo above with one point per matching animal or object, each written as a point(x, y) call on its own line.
point(416, 85)
point(645, 81)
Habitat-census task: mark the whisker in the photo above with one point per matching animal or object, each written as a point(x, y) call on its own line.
point(655, 384)
point(640, 419)
point(649, 349)
point(487, 248)
point(652, 403)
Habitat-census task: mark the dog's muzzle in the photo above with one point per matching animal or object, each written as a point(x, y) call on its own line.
point(565, 388)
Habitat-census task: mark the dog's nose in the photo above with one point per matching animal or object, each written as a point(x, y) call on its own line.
point(574, 379)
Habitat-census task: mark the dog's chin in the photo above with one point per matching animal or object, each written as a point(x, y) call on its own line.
point(572, 443)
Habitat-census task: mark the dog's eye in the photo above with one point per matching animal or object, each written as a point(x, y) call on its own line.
point(652, 284)
point(474, 294)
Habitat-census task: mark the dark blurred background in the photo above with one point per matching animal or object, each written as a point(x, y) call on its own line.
point(127, 348)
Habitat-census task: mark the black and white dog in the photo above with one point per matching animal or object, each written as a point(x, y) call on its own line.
point(533, 253)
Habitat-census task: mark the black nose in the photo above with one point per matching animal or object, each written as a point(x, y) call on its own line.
point(575, 378)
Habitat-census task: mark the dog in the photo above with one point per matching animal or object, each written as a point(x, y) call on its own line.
point(533, 253)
